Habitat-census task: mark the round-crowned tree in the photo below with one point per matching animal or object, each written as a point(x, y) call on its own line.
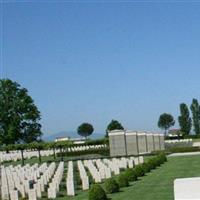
point(19, 116)
point(166, 121)
point(114, 125)
point(85, 130)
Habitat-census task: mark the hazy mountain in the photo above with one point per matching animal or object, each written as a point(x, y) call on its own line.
point(71, 134)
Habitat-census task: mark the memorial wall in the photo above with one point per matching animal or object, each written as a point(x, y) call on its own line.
point(124, 143)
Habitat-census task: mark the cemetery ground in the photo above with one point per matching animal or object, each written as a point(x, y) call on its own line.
point(156, 185)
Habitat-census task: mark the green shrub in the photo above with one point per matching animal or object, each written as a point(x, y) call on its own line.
point(111, 186)
point(152, 163)
point(123, 180)
point(103, 151)
point(131, 175)
point(139, 170)
point(162, 157)
point(183, 149)
point(97, 193)
point(147, 167)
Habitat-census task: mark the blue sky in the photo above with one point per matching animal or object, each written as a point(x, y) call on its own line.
point(93, 62)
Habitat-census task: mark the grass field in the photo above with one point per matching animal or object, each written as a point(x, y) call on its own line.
point(157, 185)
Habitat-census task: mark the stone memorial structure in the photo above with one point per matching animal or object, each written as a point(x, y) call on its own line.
point(142, 143)
point(150, 142)
point(187, 189)
point(131, 143)
point(124, 143)
point(117, 143)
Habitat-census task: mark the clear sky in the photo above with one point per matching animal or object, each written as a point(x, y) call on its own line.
point(93, 62)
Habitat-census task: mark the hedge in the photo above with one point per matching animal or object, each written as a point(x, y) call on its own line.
point(102, 151)
point(97, 193)
point(111, 186)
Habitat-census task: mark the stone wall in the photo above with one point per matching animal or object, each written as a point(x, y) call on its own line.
point(124, 143)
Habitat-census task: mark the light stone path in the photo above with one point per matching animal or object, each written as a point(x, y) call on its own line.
point(184, 154)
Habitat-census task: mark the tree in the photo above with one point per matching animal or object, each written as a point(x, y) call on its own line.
point(184, 119)
point(62, 145)
point(21, 148)
point(166, 121)
point(113, 125)
point(195, 108)
point(39, 146)
point(19, 117)
point(85, 130)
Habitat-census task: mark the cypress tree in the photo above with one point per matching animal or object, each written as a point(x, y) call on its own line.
point(184, 119)
point(195, 108)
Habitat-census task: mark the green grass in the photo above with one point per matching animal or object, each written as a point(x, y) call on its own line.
point(156, 185)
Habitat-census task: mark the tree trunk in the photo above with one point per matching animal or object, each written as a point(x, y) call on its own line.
point(54, 153)
point(40, 160)
point(165, 132)
point(61, 152)
point(22, 154)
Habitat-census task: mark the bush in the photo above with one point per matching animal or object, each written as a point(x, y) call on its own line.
point(183, 149)
point(131, 175)
point(147, 167)
point(123, 180)
point(102, 151)
point(111, 186)
point(139, 170)
point(162, 157)
point(97, 193)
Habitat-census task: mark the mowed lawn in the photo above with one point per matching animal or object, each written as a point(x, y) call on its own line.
point(157, 185)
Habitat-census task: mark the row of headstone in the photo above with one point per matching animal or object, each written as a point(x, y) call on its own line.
point(83, 175)
point(55, 182)
point(16, 155)
point(123, 143)
point(178, 143)
point(30, 181)
point(70, 180)
point(86, 147)
point(25, 181)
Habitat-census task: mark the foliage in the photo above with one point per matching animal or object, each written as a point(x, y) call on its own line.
point(146, 167)
point(19, 117)
point(183, 149)
point(184, 119)
point(97, 193)
point(166, 121)
point(111, 186)
point(130, 174)
point(96, 142)
point(102, 151)
point(123, 180)
point(139, 170)
point(85, 130)
point(195, 108)
point(114, 125)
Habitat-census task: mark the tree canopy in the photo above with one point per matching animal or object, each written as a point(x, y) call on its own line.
point(114, 125)
point(85, 130)
point(166, 121)
point(195, 108)
point(19, 116)
point(184, 119)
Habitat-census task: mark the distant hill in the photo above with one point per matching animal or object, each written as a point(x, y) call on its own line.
point(71, 134)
